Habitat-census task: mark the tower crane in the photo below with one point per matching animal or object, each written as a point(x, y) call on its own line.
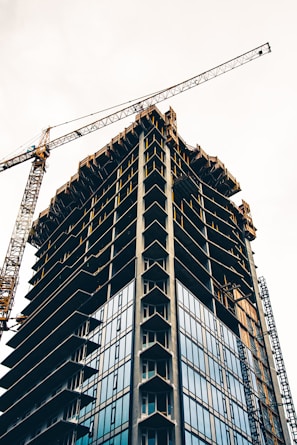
point(12, 262)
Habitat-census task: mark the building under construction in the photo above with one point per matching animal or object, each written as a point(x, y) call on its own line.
point(145, 323)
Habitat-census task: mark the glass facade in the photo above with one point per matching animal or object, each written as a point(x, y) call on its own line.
point(214, 395)
point(108, 415)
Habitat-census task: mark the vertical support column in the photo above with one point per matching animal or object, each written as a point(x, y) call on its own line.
point(138, 292)
point(205, 229)
point(113, 233)
point(173, 303)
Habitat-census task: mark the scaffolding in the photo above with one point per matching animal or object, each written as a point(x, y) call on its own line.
point(279, 361)
point(249, 396)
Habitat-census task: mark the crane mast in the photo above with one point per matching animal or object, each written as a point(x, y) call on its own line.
point(12, 262)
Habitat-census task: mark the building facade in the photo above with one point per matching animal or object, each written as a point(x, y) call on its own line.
point(144, 324)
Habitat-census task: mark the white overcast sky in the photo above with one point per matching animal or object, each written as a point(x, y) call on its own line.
point(62, 59)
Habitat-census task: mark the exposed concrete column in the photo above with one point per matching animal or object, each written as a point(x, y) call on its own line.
point(113, 233)
point(136, 405)
point(171, 291)
point(205, 230)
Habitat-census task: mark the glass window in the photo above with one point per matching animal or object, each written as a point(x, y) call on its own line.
point(204, 389)
point(187, 409)
point(214, 398)
point(124, 438)
point(107, 419)
point(179, 292)
point(103, 390)
point(113, 416)
point(115, 352)
point(156, 437)
point(209, 342)
point(198, 386)
point(124, 297)
point(152, 402)
point(185, 381)
point(188, 438)
point(212, 369)
point(189, 350)
point(193, 328)
point(218, 432)
point(127, 374)
point(108, 333)
point(128, 344)
point(209, 320)
point(195, 355)
point(197, 308)
point(183, 345)
point(113, 412)
point(109, 385)
point(186, 298)
point(131, 291)
point(199, 332)
point(191, 386)
point(129, 316)
point(106, 359)
point(151, 406)
point(187, 323)
point(109, 308)
point(191, 303)
point(200, 417)
point(101, 423)
point(206, 416)
point(181, 317)
point(194, 419)
point(115, 380)
point(201, 359)
point(119, 408)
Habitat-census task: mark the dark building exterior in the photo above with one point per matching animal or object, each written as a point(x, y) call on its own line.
point(144, 324)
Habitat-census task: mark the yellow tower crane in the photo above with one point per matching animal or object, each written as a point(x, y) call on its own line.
point(12, 262)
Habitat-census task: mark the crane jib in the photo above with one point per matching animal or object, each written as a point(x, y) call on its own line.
point(143, 104)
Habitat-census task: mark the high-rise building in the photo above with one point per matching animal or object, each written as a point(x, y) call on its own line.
point(144, 324)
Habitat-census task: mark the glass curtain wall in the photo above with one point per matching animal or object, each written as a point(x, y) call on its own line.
point(215, 408)
point(107, 417)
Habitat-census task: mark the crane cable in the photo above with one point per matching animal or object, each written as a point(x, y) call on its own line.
point(108, 109)
point(31, 141)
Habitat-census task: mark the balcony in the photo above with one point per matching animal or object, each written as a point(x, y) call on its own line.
point(155, 351)
point(41, 415)
point(52, 337)
point(155, 194)
point(155, 212)
point(155, 251)
point(19, 385)
point(155, 273)
point(155, 296)
point(155, 231)
point(59, 429)
point(61, 306)
point(155, 323)
point(156, 384)
point(38, 393)
point(156, 420)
